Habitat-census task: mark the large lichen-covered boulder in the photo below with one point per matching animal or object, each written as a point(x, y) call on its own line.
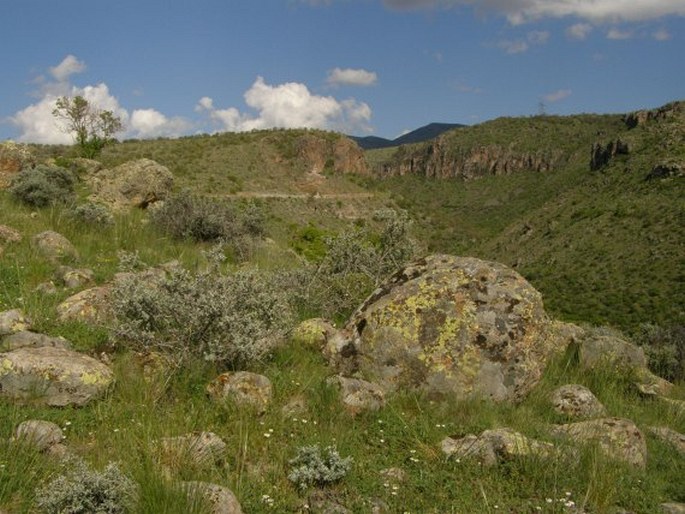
point(54, 246)
point(56, 377)
point(136, 183)
point(455, 326)
point(13, 321)
point(89, 306)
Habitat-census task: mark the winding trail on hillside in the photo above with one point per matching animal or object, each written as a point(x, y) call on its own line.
point(301, 196)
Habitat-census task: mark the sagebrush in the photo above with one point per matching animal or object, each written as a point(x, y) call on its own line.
point(44, 185)
point(315, 467)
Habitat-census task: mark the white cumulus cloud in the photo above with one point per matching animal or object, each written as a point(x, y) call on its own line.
point(615, 33)
point(351, 77)
point(289, 105)
point(662, 35)
point(147, 123)
point(557, 96)
point(69, 66)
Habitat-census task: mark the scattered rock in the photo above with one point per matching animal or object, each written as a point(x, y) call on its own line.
point(87, 166)
point(90, 306)
point(670, 436)
point(8, 235)
point(54, 246)
point(13, 158)
point(46, 288)
point(26, 339)
point(455, 326)
point(666, 170)
point(56, 377)
point(296, 407)
point(494, 446)
point(243, 388)
point(321, 502)
point(200, 448)
point(74, 278)
point(397, 475)
point(577, 401)
point(133, 184)
point(673, 508)
point(38, 433)
point(677, 405)
point(220, 500)
point(611, 352)
point(601, 155)
point(650, 384)
point(313, 333)
point(618, 438)
point(13, 321)
point(359, 395)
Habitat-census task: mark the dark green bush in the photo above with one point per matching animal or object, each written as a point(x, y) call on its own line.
point(43, 185)
point(665, 349)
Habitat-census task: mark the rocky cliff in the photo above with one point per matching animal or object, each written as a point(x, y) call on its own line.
point(443, 159)
point(340, 155)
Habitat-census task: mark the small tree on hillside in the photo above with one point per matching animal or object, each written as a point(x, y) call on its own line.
point(92, 128)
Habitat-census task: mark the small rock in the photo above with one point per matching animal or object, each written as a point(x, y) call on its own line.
point(313, 333)
point(47, 288)
point(359, 395)
point(54, 246)
point(200, 448)
point(242, 387)
point(670, 436)
point(322, 503)
point(56, 377)
point(75, 278)
point(9, 235)
point(494, 446)
point(650, 384)
point(13, 321)
point(577, 401)
point(394, 474)
point(618, 438)
point(39, 434)
point(295, 407)
point(677, 405)
point(220, 500)
point(673, 508)
point(26, 339)
point(90, 306)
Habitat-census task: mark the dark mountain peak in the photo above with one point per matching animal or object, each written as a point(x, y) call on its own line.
point(421, 134)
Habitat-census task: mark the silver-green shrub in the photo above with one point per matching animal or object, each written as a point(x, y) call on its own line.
point(92, 214)
point(356, 262)
point(233, 319)
point(82, 490)
point(314, 467)
point(43, 185)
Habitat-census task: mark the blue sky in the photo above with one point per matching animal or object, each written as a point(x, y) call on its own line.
point(381, 67)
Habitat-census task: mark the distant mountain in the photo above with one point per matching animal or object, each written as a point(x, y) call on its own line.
point(419, 135)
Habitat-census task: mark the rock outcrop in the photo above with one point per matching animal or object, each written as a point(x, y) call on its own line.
point(438, 160)
point(52, 376)
point(602, 154)
point(13, 158)
point(90, 306)
point(339, 155)
point(638, 118)
point(13, 321)
point(667, 169)
point(132, 184)
point(455, 326)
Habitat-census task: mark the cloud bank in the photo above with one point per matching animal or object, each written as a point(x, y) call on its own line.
point(289, 105)
point(522, 11)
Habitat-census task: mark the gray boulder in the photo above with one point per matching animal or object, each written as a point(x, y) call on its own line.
point(27, 339)
point(41, 435)
point(494, 446)
point(90, 306)
point(56, 377)
point(576, 401)
point(243, 388)
point(13, 321)
point(74, 278)
point(219, 500)
point(133, 184)
point(618, 438)
point(359, 395)
point(200, 448)
point(670, 436)
point(455, 326)
point(54, 246)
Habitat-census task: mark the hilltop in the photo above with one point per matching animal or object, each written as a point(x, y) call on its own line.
point(419, 135)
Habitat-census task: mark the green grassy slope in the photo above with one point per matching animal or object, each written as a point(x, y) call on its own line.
point(604, 246)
